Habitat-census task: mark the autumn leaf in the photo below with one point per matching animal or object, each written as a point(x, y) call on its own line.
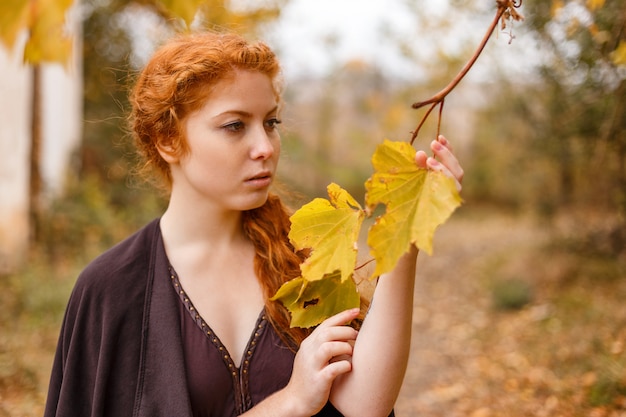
point(185, 9)
point(618, 56)
point(595, 4)
point(330, 229)
point(417, 201)
point(556, 7)
point(48, 39)
point(310, 303)
point(13, 16)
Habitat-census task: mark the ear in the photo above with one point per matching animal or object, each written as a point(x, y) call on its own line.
point(168, 152)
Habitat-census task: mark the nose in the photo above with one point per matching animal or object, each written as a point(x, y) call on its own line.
point(263, 144)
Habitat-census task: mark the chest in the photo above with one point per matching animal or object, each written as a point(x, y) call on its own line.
point(220, 382)
point(230, 306)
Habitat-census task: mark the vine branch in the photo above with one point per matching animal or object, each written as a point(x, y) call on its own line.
point(506, 11)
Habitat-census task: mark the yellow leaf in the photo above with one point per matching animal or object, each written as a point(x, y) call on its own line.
point(310, 303)
point(595, 4)
point(44, 20)
point(417, 201)
point(557, 5)
point(13, 18)
point(618, 56)
point(49, 40)
point(185, 9)
point(330, 229)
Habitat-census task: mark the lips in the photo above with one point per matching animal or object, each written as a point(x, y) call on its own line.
point(261, 176)
point(262, 179)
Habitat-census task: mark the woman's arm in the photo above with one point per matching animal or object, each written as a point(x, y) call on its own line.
point(382, 347)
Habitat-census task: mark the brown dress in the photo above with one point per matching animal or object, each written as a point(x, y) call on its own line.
point(217, 387)
point(122, 350)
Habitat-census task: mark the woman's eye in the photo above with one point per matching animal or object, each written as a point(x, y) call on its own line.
point(273, 123)
point(234, 126)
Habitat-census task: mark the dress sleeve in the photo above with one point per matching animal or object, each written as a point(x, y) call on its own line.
point(97, 356)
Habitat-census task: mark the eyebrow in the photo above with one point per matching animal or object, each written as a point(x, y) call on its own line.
point(243, 113)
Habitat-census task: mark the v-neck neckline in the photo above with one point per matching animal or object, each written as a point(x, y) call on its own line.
point(255, 334)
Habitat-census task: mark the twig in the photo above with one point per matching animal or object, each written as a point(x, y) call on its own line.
point(506, 8)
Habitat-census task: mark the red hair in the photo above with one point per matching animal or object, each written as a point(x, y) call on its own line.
point(167, 90)
point(275, 262)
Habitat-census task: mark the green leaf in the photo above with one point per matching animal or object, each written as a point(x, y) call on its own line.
point(331, 230)
point(310, 303)
point(417, 201)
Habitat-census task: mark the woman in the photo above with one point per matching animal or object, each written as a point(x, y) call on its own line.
point(176, 320)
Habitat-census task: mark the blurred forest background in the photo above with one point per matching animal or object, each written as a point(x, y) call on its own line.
point(519, 312)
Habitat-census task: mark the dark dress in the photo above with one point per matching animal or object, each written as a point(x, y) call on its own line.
point(217, 387)
point(121, 349)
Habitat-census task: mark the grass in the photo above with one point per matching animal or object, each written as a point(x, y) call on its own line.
point(33, 302)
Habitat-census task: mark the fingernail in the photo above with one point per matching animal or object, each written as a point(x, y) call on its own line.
point(437, 146)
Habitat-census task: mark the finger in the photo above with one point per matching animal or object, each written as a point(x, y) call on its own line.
point(335, 333)
point(442, 139)
point(447, 159)
point(438, 166)
point(342, 318)
point(333, 350)
point(334, 369)
point(341, 358)
point(420, 159)
point(330, 352)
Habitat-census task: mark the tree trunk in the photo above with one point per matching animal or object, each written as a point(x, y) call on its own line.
point(620, 138)
point(566, 173)
point(35, 186)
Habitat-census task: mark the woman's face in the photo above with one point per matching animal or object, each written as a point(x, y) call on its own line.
point(233, 145)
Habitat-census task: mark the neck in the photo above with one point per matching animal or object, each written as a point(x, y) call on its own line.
point(204, 229)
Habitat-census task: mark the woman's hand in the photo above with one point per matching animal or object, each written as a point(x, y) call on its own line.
point(324, 355)
point(444, 160)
